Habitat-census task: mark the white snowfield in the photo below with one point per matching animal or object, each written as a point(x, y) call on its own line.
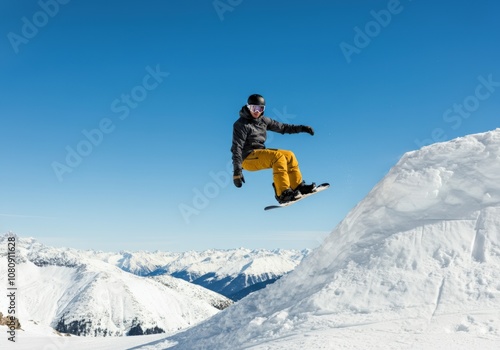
point(415, 265)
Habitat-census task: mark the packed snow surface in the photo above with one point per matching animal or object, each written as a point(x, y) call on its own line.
point(415, 265)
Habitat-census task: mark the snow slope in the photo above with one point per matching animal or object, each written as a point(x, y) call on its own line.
point(417, 260)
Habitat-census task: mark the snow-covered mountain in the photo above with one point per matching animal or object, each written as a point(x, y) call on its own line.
point(233, 273)
point(93, 293)
point(82, 295)
point(417, 261)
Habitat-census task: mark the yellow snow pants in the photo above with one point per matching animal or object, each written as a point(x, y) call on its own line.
point(286, 172)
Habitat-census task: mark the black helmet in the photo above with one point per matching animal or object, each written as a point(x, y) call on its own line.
point(256, 99)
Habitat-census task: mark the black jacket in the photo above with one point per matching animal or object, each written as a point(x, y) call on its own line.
point(250, 133)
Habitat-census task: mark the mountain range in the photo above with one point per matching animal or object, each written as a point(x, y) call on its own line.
point(233, 273)
point(76, 293)
point(86, 292)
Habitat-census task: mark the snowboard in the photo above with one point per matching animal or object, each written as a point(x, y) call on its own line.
point(318, 189)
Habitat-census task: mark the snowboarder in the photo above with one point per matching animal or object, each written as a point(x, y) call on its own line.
point(250, 153)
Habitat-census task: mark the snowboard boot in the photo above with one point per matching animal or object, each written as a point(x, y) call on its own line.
point(306, 189)
point(287, 195)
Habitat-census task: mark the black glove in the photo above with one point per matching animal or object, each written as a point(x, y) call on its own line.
point(238, 178)
point(308, 129)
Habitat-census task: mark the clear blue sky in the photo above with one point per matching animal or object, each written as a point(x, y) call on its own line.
point(163, 81)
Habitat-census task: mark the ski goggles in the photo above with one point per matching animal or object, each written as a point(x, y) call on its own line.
point(256, 108)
